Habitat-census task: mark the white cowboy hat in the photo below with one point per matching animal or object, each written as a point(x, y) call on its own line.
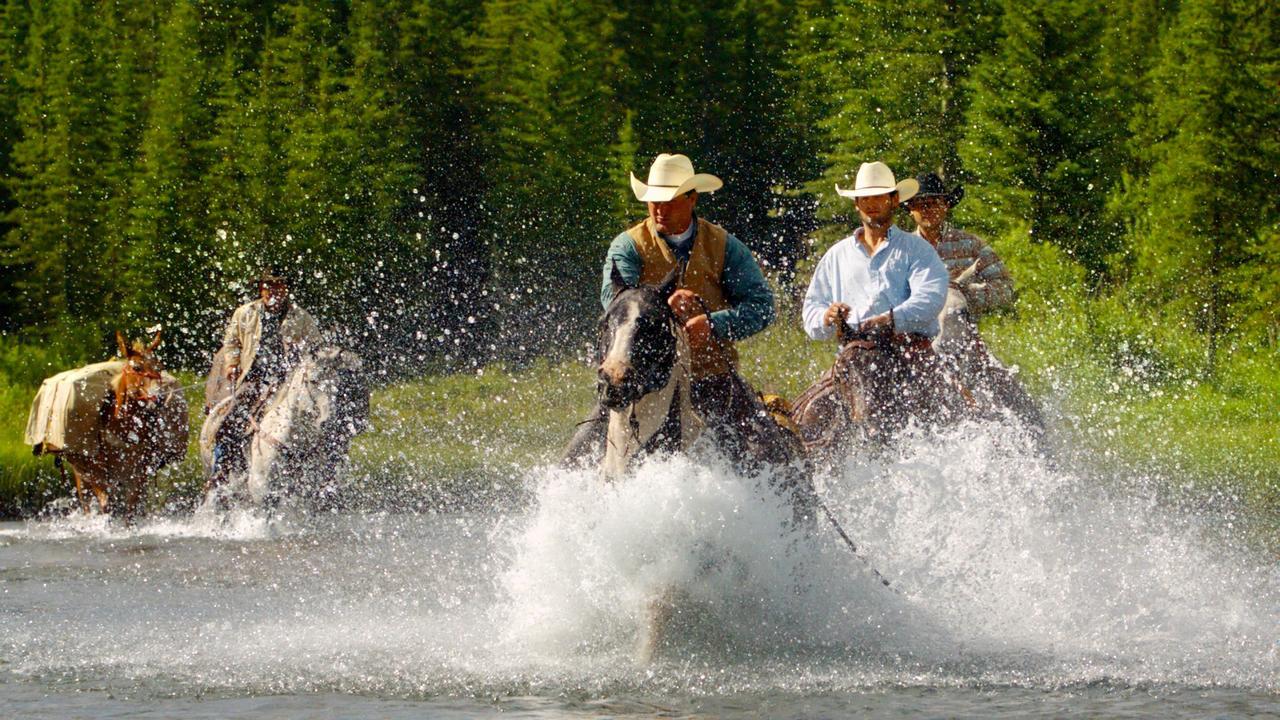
point(875, 178)
point(671, 176)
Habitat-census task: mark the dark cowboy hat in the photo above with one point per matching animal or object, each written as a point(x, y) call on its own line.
point(271, 274)
point(931, 186)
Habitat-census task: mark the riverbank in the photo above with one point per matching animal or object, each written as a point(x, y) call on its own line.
point(467, 438)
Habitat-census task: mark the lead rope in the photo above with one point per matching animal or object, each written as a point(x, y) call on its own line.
point(842, 317)
point(842, 337)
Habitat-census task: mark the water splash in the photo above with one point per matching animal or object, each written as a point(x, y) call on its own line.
point(1009, 571)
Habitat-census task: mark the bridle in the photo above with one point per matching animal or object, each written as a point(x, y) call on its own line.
point(134, 376)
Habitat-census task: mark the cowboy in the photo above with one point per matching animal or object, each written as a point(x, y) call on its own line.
point(722, 295)
point(973, 267)
point(980, 277)
point(264, 340)
point(880, 291)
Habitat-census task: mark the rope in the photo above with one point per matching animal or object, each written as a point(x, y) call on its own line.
point(849, 542)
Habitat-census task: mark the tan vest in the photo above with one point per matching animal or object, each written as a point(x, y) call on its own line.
point(702, 276)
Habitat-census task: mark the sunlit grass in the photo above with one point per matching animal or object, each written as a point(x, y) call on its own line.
point(473, 436)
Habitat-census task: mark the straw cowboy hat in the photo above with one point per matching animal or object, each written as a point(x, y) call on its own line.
point(931, 186)
point(875, 178)
point(671, 176)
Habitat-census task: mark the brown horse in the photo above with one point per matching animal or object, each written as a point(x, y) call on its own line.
point(881, 382)
point(118, 423)
point(878, 384)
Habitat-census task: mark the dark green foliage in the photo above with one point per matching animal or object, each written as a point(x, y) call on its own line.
point(443, 176)
point(1210, 135)
point(1040, 146)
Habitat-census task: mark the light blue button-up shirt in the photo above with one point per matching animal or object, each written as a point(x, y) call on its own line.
point(905, 274)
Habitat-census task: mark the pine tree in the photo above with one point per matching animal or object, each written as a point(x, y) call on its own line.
point(886, 81)
point(443, 137)
point(1038, 147)
point(540, 70)
point(379, 238)
point(1209, 140)
point(51, 240)
point(14, 18)
point(169, 229)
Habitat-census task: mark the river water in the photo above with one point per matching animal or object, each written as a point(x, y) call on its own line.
point(1020, 590)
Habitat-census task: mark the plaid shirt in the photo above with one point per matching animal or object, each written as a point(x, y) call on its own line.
point(989, 287)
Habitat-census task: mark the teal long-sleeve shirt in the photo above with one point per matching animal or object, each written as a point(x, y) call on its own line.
point(749, 295)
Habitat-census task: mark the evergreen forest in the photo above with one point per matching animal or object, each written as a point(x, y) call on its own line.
point(442, 177)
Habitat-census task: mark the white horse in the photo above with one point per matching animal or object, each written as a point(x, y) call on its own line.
point(302, 433)
point(989, 383)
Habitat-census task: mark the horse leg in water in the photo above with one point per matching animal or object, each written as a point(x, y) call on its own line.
point(85, 479)
point(132, 487)
point(81, 498)
point(657, 616)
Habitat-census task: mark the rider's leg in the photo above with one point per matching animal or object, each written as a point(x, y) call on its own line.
point(229, 443)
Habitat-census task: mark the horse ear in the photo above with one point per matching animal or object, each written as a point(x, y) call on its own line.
point(668, 284)
point(619, 282)
point(120, 343)
point(155, 342)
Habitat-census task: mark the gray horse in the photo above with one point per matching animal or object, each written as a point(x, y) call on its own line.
point(300, 434)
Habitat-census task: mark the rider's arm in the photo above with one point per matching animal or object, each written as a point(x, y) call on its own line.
point(927, 280)
point(623, 251)
point(231, 337)
point(750, 297)
point(991, 287)
point(817, 299)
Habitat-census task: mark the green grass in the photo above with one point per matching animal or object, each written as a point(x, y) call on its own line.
point(468, 437)
point(1134, 407)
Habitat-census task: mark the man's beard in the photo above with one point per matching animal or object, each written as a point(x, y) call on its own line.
point(878, 223)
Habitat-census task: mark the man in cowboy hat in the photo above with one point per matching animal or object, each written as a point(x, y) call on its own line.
point(262, 342)
point(978, 274)
point(880, 291)
point(881, 279)
point(722, 294)
point(973, 267)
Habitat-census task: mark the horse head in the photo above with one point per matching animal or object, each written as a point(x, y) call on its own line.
point(637, 342)
point(140, 374)
point(956, 326)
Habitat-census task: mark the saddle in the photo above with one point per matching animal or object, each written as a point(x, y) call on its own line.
point(877, 384)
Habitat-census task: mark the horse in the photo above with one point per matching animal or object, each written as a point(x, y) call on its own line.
point(878, 384)
point(881, 382)
point(991, 387)
point(300, 434)
point(652, 403)
point(115, 423)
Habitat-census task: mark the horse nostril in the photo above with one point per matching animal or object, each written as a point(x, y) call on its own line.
point(615, 373)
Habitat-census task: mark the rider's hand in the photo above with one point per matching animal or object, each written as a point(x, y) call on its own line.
point(685, 304)
point(834, 314)
point(232, 372)
point(698, 330)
